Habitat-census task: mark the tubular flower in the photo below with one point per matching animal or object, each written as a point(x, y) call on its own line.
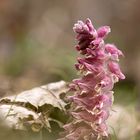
point(93, 95)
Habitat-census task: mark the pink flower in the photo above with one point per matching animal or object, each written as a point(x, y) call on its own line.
point(93, 95)
point(91, 102)
point(85, 34)
point(90, 117)
point(103, 31)
point(115, 69)
point(98, 42)
point(113, 51)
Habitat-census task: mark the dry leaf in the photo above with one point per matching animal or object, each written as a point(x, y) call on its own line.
point(32, 108)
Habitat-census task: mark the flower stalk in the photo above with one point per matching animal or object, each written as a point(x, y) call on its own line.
point(93, 95)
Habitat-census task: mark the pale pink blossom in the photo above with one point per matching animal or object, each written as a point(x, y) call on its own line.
point(115, 69)
point(93, 95)
point(103, 31)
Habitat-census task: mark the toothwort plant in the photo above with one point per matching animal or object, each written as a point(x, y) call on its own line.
point(93, 95)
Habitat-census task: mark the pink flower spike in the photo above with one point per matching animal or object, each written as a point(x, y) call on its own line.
point(103, 31)
point(92, 97)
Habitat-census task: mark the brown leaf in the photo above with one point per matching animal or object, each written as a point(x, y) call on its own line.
point(23, 110)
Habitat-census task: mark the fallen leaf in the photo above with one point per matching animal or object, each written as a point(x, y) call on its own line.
point(32, 108)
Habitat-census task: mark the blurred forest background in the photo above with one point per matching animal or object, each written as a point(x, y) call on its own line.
point(37, 42)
